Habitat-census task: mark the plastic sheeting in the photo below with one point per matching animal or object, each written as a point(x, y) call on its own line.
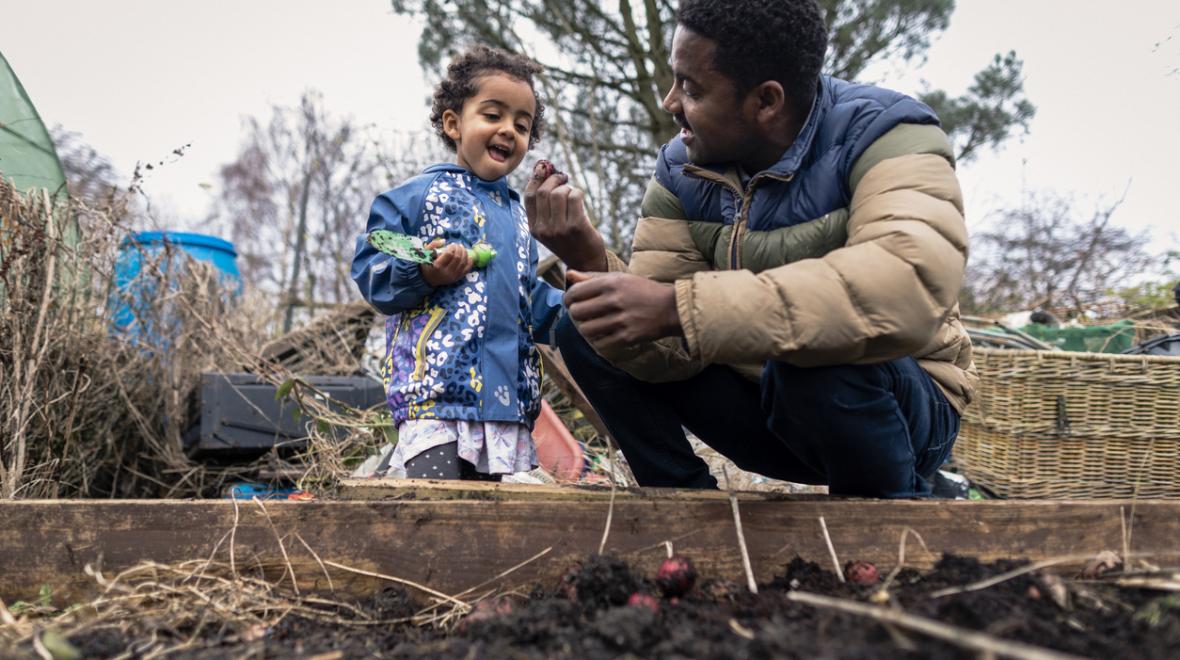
point(27, 155)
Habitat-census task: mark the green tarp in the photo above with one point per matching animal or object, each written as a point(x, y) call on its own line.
point(27, 156)
point(1110, 338)
point(29, 160)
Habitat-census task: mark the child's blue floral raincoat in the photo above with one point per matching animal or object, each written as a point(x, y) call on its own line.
point(463, 351)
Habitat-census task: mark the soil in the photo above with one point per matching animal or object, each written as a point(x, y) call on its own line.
point(586, 615)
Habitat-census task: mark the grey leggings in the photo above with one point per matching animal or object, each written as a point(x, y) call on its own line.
point(443, 462)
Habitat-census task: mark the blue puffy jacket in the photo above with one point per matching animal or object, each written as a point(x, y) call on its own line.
point(851, 249)
point(463, 351)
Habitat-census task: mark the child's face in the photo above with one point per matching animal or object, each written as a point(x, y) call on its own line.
point(491, 133)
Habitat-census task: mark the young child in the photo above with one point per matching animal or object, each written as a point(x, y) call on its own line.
point(462, 374)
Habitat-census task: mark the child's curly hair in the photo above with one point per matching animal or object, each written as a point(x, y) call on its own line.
point(460, 85)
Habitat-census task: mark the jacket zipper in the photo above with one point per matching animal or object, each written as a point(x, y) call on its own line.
point(436, 317)
point(734, 257)
point(740, 217)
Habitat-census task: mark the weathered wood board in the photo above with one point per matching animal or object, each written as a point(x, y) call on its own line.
point(471, 534)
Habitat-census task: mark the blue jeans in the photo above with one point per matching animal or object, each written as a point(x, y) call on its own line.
point(878, 430)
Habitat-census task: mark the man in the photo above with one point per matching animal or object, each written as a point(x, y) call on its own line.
point(791, 295)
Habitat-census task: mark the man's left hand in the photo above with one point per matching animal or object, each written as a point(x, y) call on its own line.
point(617, 310)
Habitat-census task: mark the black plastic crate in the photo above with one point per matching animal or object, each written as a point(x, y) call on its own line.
point(1166, 345)
point(240, 416)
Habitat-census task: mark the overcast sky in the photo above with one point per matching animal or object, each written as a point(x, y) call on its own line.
point(139, 78)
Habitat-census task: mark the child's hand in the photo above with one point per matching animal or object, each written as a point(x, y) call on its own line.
point(451, 263)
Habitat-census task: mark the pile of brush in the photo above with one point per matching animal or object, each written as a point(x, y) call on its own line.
point(86, 411)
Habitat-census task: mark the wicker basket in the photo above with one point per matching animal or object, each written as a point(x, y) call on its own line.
point(1073, 425)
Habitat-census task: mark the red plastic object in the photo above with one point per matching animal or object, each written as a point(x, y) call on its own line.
point(557, 451)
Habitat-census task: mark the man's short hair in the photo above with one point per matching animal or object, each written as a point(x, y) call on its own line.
point(760, 40)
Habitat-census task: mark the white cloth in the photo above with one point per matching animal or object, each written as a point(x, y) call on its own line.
point(492, 447)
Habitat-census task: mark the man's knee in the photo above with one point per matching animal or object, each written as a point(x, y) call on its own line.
point(825, 412)
point(817, 390)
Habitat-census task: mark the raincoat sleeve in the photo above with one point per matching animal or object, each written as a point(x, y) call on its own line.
point(545, 301)
point(391, 285)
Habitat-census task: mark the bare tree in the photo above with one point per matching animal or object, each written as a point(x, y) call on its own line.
point(298, 194)
point(606, 70)
point(1048, 254)
point(90, 176)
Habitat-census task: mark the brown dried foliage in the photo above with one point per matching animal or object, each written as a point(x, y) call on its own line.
point(87, 412)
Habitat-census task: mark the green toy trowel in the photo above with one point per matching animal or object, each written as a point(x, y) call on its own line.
point(411, 248)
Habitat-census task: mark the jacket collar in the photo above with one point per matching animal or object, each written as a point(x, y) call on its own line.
point(792, 158)
point(498, 185)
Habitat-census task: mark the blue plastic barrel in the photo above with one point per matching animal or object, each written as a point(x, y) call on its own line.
point(134, 292)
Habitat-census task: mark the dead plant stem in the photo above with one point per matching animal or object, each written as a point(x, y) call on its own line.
point(741, 536)
point(823, 525)
point(319, 561)
point(408, 583)
point(962, 637)
point(233, 532)
point(610, 512)
point(282, 546)
point(1004, 577)
point(901, 556)
point(1126, 537)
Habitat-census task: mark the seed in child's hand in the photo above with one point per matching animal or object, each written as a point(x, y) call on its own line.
point(543, 170)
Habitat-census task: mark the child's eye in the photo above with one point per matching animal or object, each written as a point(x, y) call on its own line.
point(522, 128)
point(491, 115)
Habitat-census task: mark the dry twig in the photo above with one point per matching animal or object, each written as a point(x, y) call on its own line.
point(1004, 577)
point(314, 554)
point(408, 583)
point(962, 637)
point(610, 513)
point(901, 545)
point(282, 546)
point(741, 537)
point(823, 525)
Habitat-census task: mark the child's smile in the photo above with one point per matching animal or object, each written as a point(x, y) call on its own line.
point(500, 153)
point(492, 132)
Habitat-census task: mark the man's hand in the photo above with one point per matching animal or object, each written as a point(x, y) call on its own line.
point(616, 310)
point(558, 220)
point(451, 263)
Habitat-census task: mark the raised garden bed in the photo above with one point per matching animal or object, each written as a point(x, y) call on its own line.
point(332, 576)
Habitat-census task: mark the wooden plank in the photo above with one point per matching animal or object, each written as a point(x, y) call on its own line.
point(451, 544)
point(429, 489)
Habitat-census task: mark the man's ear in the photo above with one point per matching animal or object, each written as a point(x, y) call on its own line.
point(450, 124)
point(770, 100)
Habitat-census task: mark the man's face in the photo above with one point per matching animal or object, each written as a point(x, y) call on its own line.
point(705, 104)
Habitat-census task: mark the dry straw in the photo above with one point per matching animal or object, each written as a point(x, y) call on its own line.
point(85, 412)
